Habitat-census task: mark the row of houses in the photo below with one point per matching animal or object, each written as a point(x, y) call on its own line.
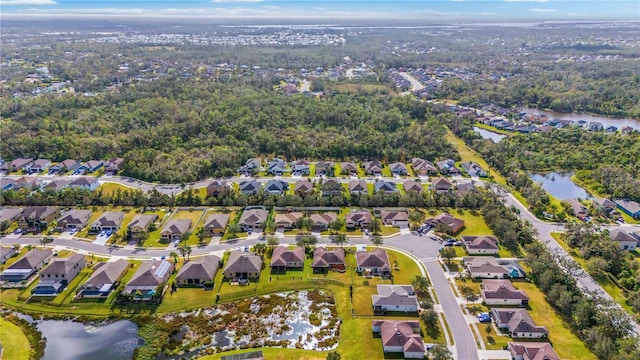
point(35, 166)
point(421, 167)
point(33, 183)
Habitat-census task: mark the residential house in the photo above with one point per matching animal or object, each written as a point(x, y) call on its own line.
point(374, 262)
point(66, 166)
point(216, 224)
point(57, 185)
point(253, 219)
point(288, 220)
point(37, 218)
point(6, 253)
point(90, 166)
point(462, 189)
point(29, 264)
point(611, 129)
point(595, 126)
point(602, 204)
point(26, 182)
point(382, 186)
point(113, 166)
point(397, 218)
point(399, 298)
point(175, 228)
point(400, 337)
point(108, 221)
point(518, 323)
point(38, 166)
point(626, 130)
point(138, 228)
point(275, 167)
point(276, 187)
point(75, 219)
point(8, 216)
point(303, 187)
point(60, 272)
point(625, 240)
point(332, 187)
point(399, 169)
point(249, 187)
point(216, 187)
point(7, 184)
point(15, 165)
point(502, 292)
point(148, 279)
point(251, 166)
point(482, 267)
point(447, 221)
point(199, 272)
point(412, 185)
point(283, 258)
point(629, 207)
point(358, 219)
point(440, 185)
point(84, 183)
point(423, 167)
point(242, 266)
point(325, 168)
point(321, 222)
point(105, 278)
point(532, 351)
point(348, 168)
point(325, 260)
point(480, 244)
point(448, 167)
point(577, 208)
point(473, 169)
point(358, 187)
point(300, 168)
point(373, 168)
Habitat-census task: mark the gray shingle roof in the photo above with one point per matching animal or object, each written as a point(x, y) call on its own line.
point(203, 268)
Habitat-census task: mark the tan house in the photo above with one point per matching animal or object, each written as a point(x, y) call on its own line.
point(283, 258)
point(358, 219)
point(518, 323)
point(322, 221)
point(412, 185)
point(198, 272)
point(29, 264)
point(441, 185)
point(577, 208)
point(37, 218)
point(532, 351)
point(242, 266)
point(75, 219)
point(374, 262)
point(397, 218)
point(148, 278)
point(216, 187)
point(358, 187)
point(502, 292)
point(138, 228)
point(60, 272)
point(484, 244)
point(288, 220)
point(348, 168)
point(325, 260)
point(303, 187)
point(253, 219)
point(423, 167)
point(105, 278)
point(452, 224)
point(400, 337)
point(109, 221)
point(216, 224)
point(175, 228)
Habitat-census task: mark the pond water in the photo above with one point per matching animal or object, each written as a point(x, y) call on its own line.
point(490, 135)
point(560, 185)
point(76, 341)
point(619, 123)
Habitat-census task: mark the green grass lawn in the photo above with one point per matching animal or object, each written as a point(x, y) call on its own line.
point(312, 170)
point(108, 188)
point(389, 230)
point(15, 344)
point(473, 224)
point(494, 130)
point(276, 354)
point(566, 344)
point(468, 154)
point(197, 218)
point(14, 258)
point(386, 171)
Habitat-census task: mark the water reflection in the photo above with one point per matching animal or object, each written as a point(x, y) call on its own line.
point(559, 185)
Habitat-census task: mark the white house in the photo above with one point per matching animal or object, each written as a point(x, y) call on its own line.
point(502, 292)
point(486, 245)
point(394, 298)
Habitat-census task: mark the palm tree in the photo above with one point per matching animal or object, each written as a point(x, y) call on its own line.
point(416, 217)
point(376, 226)
point(174, 256)
point(185, 250)
point(260, 248)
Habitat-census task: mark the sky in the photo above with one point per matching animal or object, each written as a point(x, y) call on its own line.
point(436, 10)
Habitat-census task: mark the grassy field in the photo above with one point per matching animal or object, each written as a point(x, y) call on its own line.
point(494, 130)
point(566, 344)
point(360, 88)
point(468, 154)
point(196, 217)
point(15, 345)
point(109, 188)
point(473, 222)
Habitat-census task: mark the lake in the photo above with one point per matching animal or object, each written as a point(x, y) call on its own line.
point(73, 340)
point(486, 134)
point(575, 117)
point(560, 185)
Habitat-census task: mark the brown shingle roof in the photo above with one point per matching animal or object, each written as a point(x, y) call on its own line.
point(282, 255)
point(323, 257)
point(374, 258)
point(216, 221)
point(501, 289)
point(243, 262)
point(202, 268)
point(487, 242)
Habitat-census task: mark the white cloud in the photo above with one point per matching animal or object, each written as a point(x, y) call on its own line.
point(537, 1)
point(542, 10)
point(27, 2)
point(237, 1)
point(489, 14)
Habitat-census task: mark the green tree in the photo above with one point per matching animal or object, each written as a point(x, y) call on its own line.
point(336, 225)
point(333, 355)
point(376, 226)
point(440, 352)
point(272, 241)
point(233, 230)
point(416, 217)
point(341, 239)
point(307, 240)
point(174, 256)
point(448, 253)
point(377, 240)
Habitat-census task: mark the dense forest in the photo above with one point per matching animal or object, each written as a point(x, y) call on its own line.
point(180, 131)
point(609, 161)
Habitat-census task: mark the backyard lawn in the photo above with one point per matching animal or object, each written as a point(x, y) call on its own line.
point(15, 345)
point(108, 188)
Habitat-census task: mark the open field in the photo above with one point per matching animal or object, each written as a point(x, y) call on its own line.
point(109, 188)
point(15, 345)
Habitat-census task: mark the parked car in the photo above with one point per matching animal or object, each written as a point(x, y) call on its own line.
point(484, 317)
